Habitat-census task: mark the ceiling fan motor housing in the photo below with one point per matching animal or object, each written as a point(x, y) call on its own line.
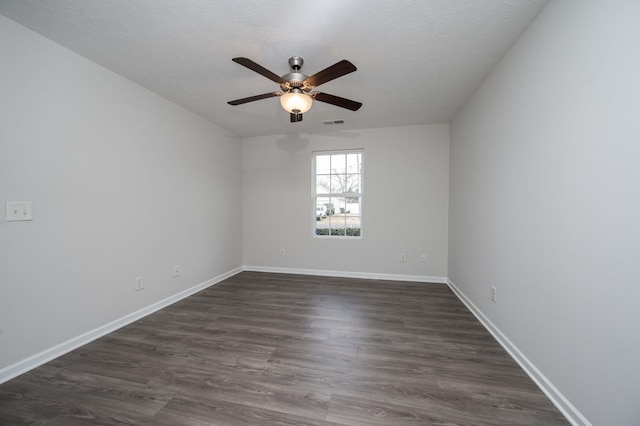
point(295, 78)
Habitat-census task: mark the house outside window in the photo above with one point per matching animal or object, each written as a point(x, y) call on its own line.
point(337, 193)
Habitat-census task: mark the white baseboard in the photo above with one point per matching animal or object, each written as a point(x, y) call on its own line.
point(346, 274)
point(557, 398)
point(54, 352)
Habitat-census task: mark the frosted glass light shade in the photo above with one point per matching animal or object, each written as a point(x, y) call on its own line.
point(296, 101)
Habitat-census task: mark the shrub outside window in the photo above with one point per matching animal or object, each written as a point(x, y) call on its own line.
point(337, 193)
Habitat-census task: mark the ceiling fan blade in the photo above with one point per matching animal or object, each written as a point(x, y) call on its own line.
point(334, 71)
point(246, 62)
point(254, 98)
point(337, 101)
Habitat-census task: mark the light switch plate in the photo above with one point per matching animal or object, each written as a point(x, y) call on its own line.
point(19, 211)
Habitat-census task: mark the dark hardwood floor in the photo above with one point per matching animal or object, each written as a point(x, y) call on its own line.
point(272, 349)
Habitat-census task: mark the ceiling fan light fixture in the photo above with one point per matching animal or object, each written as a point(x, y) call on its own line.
point(296, 102)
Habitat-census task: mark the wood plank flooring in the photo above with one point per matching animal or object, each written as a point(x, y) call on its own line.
point(274, 349)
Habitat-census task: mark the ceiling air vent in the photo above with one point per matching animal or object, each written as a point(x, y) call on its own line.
point(332, 122)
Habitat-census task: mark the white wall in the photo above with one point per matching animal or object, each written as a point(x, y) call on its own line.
point(405, 202)
point(545, 203)
point(123, 184)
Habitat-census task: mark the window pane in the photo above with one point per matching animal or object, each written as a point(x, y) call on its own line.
point(322, 219)
point(354, 228)
point(322, 184)
point(338, 163)
point(337, 184)
point(353, 183)
point(353, 163)
point(323, 164)
point(353, 206)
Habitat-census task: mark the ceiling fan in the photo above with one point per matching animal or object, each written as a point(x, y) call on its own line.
point(298, 92)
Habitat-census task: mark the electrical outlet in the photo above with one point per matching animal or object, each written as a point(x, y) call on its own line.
point(493, 294)
point(423, 257)
point(176, 271)
point(403, 257)
point(139, 284)
point(282, 252)
point(19, 211)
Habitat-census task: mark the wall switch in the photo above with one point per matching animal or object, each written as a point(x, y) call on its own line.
point(403, 257)
point(19, 211)
point(493, 294)
point(176, 271)
point(139, 284)
point(282, 252)
point(423, 257)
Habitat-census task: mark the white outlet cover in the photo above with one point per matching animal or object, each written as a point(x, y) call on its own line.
point(19, 211)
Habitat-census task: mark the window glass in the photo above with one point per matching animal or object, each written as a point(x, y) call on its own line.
point(337, 193)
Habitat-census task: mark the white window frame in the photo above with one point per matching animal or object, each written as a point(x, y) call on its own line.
point(315, 195)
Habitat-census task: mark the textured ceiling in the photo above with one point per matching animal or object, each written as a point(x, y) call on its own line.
point(418, 60)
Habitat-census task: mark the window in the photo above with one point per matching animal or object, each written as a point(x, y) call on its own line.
point(337, 193)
